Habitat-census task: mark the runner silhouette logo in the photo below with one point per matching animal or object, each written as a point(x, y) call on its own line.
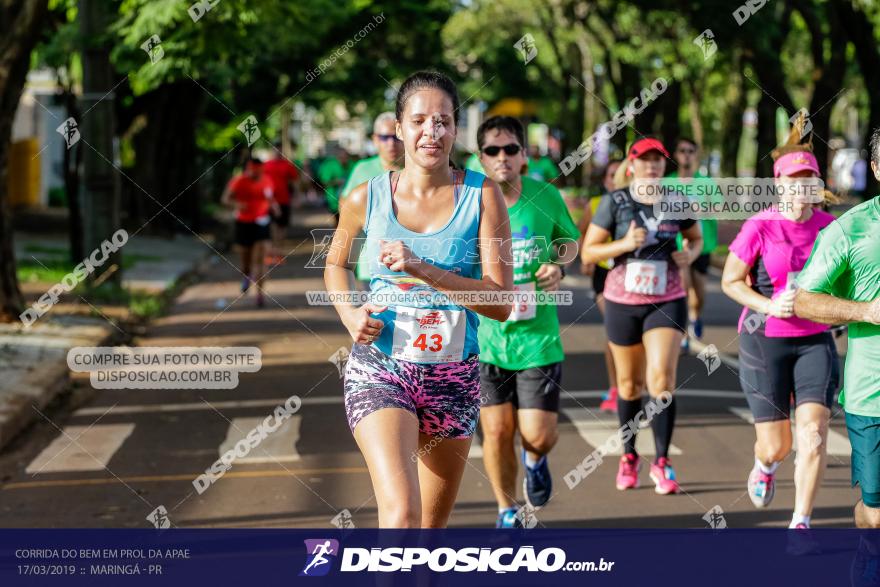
point(321, 553)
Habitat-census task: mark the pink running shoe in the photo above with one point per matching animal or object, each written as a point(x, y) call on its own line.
point(761, 486)
point(663, 476)
point(609, 402)
point(628, 472)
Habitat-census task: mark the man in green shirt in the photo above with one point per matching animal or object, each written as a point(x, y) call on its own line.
point(389, 158)
point(332, 173)
point(687, 155)
point(841, 284)
point(521, 359)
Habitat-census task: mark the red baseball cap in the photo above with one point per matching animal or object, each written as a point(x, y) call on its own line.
point(642, 146)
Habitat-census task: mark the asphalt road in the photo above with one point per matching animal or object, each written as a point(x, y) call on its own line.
point(111, 460)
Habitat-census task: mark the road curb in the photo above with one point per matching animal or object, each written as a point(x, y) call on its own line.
point(21, 404)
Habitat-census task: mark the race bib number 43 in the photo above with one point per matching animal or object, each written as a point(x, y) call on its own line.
point(427, 335)
point(646, 277)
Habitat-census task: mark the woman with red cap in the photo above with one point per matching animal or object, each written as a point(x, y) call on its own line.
point(779, 353)
point(645, 306)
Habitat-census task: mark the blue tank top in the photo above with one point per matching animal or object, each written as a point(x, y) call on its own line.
point(417, 327)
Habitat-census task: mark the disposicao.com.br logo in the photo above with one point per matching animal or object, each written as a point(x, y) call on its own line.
point(320, 556)
point(321, 553)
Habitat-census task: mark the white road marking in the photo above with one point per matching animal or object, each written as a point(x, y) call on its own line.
point(81, 448)
point(337, 399)
point(597, 429)
point(838, 444)
point(278, 446)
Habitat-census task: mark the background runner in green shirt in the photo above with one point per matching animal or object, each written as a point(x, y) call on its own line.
point(687, 156)
point(389, 158)
point(521, 359)
point(840, 283)
point(537, 219)
point(541, 167)
point(331, 174)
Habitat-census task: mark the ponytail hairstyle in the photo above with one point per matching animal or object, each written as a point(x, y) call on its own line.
point(622, 178)
point(427, 80)
point(801, 141)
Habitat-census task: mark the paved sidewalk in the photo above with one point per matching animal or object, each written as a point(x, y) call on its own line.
point(34, 359)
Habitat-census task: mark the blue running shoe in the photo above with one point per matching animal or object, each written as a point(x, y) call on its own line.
point(508, 519)
point(537, 484)
point(865, 569)
point(698, 328)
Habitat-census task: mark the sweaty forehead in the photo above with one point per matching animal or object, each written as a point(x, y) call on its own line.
point(428, 101)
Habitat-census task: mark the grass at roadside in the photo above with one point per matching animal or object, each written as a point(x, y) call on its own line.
point(141, 305)
point(49, 265)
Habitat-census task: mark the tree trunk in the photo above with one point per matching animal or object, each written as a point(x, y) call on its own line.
point(828, 76)
point(694, 100)
point(20, 26)
point(100, 176)
point(165, 160)
point(860, 31)
point(72, 162)
point(625, 92)
point(766, 136)
point(767, 62)
point(732, 119)
point(669, 104)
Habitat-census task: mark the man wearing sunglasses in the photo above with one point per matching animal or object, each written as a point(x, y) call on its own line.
point(521, 359)
point(389, 158)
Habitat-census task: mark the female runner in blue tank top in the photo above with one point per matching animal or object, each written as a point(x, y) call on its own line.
point(412, 381)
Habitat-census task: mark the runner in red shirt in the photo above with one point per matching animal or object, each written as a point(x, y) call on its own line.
point(251, 194)
point(282, 175)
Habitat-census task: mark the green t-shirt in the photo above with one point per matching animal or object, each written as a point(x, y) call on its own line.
point(473, 163)
point(845, 263)
point(537, 219)
point(363, 171)
point(330, 173)
point(543, 169)
point(708, 226)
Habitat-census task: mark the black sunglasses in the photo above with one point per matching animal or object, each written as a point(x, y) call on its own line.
point(510, 150)
point(384, 138)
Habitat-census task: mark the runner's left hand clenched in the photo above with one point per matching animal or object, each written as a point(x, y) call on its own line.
point(682, 258)
point(397, 256)
point(549, 275)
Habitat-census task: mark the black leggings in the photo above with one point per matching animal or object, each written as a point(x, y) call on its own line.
point(625, 324)
point(771, 369)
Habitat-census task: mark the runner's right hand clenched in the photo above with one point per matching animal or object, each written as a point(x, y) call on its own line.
point(362, 327)
point(635, 236)
point(781, 306)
